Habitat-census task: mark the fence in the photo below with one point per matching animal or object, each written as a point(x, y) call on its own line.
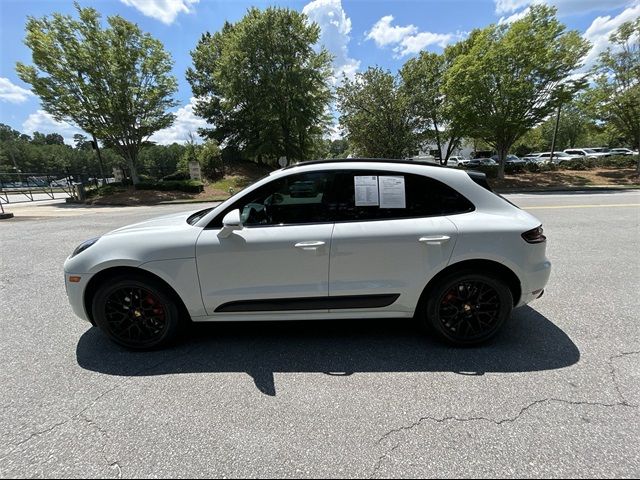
point(30, 187)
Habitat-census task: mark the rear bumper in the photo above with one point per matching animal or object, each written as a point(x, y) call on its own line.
point(534, 281)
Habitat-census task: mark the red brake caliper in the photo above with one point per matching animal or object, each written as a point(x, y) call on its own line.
point(157, 310)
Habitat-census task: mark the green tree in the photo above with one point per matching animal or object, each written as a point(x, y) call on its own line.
point(508, 78)
point(189, 154)
point(376, 115)
point(339, 148)
point(262, 85)
point(113, 83)
point(436, 118)
point(210, 159)
point(615, 97)
point(161, 160)
point(572, 127)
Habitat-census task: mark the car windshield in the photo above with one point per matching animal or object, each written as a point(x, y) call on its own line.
point(561, 154)
point(589, 150)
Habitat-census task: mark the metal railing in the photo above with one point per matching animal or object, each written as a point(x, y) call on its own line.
point(30, 187)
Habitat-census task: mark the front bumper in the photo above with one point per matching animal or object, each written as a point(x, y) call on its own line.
point(75, 293)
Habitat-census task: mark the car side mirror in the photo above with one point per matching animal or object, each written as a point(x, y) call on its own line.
point(230, 223)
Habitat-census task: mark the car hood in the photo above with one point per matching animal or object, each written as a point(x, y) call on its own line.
point(158, 223)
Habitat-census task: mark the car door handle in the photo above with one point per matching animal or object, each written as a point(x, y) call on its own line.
point(434, 240)
point(313, 245)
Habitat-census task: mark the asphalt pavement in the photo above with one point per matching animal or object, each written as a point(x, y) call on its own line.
point(555, 395)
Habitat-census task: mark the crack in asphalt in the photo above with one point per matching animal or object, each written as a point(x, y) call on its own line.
point(614, 375)
point(623, 403)
point(81, 412)
point(104, 435)
point(522, 411)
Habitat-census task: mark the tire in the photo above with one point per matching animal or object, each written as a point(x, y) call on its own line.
point(467, 308)
point(136, 312)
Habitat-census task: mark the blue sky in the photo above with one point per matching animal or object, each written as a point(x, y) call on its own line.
point(359, 33)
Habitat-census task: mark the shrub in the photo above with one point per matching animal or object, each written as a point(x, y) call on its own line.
point(621, 161)
point(514, 168)
point(540, 167)
point(179, 175)
point(104, 190)
point(188, 186)
point(581, 164)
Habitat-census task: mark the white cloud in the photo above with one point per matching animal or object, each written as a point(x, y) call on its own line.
point(384, 34)
point(186, 122)
point(565, 7)
point(408, 39)
point(10, 92)
point(602, 28)
point(43, 122)
point(164, 10)
point(508, 6)
point(335, 27)
point(515, 17)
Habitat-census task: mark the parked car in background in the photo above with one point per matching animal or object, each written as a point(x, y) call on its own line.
point(585, 152)
point(558, 157)
point(623, 151)
point(603, 150)
point(475, 162)
point(456, 160)
point(511, 160)
point(535, 157)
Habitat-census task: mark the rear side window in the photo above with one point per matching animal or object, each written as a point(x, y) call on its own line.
point(396, 195)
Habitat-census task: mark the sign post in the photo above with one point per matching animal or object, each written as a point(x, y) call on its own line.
point(194, 170)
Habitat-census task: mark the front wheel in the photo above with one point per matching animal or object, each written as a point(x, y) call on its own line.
point(136, 312)
point(468, 309)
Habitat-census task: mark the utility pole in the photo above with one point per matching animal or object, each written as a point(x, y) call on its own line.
point(555, 132)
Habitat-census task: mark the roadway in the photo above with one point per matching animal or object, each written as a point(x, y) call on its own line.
point(555, 395)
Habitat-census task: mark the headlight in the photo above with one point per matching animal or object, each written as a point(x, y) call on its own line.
point(83, 246)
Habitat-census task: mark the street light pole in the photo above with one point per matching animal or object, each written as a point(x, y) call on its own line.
point(555, 132)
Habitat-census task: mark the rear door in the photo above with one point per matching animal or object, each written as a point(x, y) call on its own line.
point(392, 233)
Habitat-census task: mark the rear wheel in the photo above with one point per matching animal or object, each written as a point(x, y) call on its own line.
point(468, 309)
point(136, 312)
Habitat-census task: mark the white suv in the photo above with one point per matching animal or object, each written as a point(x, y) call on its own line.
point(320, 240)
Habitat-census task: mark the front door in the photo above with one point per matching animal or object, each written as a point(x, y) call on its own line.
point(279, 260)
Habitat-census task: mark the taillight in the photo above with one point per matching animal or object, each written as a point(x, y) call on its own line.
point(534, 236)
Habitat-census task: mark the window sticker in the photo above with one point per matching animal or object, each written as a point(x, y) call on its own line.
point(392, 193)
point(366, 191)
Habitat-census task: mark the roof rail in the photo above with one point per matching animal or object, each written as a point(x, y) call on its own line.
point(373, 160)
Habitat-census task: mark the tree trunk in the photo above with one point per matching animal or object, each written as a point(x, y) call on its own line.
point(133, 171)
point(502, 155)
point(95, 143)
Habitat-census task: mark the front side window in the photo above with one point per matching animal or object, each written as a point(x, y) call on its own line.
point(376, 195)
point(292, 200)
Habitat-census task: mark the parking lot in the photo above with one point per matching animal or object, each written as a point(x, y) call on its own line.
point(555, 395)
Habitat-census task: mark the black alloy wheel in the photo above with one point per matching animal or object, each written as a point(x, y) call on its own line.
point(136, 313)
point(468, 309)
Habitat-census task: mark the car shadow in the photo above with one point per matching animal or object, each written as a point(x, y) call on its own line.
point(530, 342)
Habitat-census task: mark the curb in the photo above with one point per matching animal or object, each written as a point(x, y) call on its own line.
point(584, 188)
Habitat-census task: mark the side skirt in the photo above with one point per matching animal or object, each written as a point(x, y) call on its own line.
point(309, 303)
